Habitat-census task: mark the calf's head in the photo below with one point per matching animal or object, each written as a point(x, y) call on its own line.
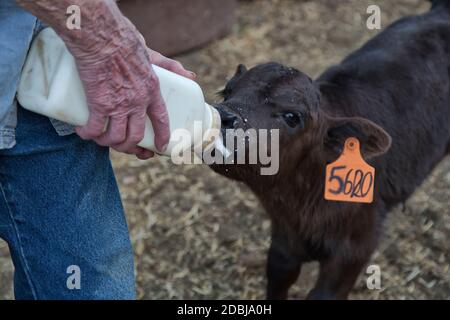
point(274, 97)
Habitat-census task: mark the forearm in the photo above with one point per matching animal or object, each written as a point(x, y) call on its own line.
point(102, 25)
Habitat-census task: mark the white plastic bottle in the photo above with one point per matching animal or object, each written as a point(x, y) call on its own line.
point(50, 85)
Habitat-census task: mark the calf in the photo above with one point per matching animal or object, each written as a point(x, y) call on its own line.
point(393, 94)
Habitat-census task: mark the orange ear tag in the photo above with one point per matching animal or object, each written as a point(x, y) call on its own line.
point(350, 178)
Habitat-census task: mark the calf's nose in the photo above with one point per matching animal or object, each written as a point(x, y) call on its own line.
point(229, 120)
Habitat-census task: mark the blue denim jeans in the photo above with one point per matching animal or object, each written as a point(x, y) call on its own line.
point(61, 215)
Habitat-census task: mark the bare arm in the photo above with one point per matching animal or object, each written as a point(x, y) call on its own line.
point(115, 67)
point(102, 23)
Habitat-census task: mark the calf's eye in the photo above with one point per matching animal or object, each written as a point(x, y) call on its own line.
point(292, 119)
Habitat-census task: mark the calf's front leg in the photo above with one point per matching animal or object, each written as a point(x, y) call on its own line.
point(283, 269)
point(337, 276)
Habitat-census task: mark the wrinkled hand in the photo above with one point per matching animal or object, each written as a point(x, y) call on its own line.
point(122, 89)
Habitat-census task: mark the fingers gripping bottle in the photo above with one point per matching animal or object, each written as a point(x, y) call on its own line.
point(50, 86)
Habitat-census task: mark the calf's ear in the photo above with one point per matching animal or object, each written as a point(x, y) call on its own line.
point(373, 139)
point(241, 69)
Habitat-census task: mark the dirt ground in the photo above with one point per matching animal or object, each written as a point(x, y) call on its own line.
point(199, 236)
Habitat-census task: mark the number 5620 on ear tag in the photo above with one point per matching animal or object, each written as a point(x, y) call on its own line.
point(350, 178)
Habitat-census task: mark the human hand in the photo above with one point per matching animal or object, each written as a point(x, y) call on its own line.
point(122, 89)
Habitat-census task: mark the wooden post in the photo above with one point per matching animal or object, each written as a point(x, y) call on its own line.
point(176, 26)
